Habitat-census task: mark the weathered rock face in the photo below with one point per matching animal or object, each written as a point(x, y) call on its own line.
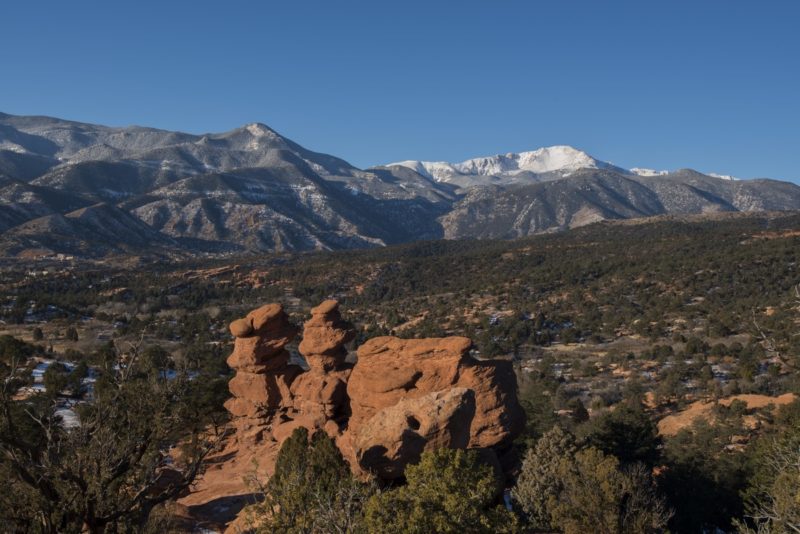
point(396, 436)
point(391, 372)
point(390, 369)
point(401, 398)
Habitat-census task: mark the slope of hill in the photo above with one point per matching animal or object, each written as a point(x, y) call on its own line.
point(250, 189)
point(590, 195)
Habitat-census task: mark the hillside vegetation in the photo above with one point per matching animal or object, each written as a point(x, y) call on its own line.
point(670, 343)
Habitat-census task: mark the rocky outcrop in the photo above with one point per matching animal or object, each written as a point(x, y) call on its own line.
point(393, 375)
point(401, 398)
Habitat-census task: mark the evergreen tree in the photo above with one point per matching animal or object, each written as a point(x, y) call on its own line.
point(772, 502)
point(72, 334)
point(447, 492)
point(627, 432)
point(599, 497)
point(539, 480)
point(312, 489)
point(106, 474)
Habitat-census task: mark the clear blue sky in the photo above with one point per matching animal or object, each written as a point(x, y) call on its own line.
point(708, 84)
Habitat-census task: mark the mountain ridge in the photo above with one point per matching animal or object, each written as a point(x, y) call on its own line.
point(251, 189)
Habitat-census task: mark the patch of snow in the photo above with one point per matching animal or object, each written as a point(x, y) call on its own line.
point(256, 129)
point(13, 147)
point(565, 159)
point(722, 176)
point(639, 171)
point(69, 419)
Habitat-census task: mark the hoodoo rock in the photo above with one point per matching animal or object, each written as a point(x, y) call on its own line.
point(401, 398)
point(263, 372)
point(320, 395)
point(324, 337)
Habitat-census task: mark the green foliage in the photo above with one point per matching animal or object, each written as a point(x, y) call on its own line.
point(579, 412)
point(772, 499)
point(627, 432)
point(13, 350)
point(312, 489)
point(155, 359)
point(702, 481)
point(104, 475)
point(703, 279)
point(563, 487)
point(597, 496)
point(72, 334)
point(539, 480)
point(535, 396)
point(55, 378)
point(448, 491)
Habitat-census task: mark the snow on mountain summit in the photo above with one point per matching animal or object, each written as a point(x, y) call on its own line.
point(548, 159)
point(640, 171)
point(561, 159)
point(547, 163)
point(722, 176)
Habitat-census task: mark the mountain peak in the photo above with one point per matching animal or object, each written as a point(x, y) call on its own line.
point(562, 159)
point(259, 130)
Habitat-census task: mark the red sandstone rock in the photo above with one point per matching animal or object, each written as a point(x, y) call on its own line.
point(402, 397)
point(242, 327)
point(322, 396)
point(324, 337)
point(391, 369)
point(499, 418)
point(396, 436)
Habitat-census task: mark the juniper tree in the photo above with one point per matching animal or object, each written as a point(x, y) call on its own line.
point(106, 474)
point(448, 492)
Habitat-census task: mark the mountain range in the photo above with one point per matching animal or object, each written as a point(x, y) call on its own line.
point(90, 190)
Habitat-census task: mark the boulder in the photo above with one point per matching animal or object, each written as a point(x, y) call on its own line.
point(499, 417)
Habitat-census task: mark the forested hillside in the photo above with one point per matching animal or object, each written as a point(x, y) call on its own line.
point(663, 354)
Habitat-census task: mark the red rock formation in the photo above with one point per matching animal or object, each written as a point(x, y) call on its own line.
point(320, 395)
point(390, 371)
point(263, 374)
point(402, 397)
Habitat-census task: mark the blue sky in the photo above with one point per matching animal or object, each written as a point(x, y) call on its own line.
point(708, 84)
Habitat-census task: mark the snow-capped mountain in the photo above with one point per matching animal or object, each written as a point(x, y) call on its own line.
point(543, 164)
point(533, 166)
point(722, 176)
point(92, 190)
